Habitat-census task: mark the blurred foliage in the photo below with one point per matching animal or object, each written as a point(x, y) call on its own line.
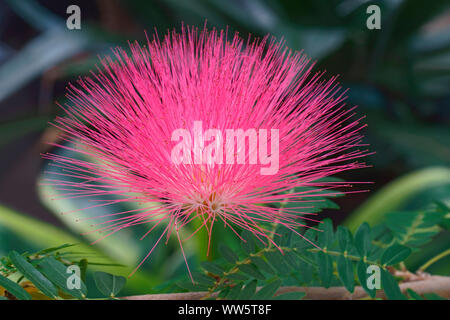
point(398, 76)
point(340, 258)
point(337, 258)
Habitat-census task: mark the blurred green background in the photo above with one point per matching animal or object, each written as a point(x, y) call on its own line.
point(399, 77)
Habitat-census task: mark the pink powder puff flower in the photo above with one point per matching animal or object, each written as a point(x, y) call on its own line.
point(125, 115)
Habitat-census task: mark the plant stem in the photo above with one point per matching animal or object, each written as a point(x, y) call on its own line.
point(427, 264)
point(433, 284)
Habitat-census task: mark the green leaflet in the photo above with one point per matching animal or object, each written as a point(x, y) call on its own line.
point(267, 291)
point(57, 273)
point(109, 284)
point(13, 288)
point(32, 274)
point(395, 254)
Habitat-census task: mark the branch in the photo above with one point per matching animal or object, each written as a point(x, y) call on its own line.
point(431, 284)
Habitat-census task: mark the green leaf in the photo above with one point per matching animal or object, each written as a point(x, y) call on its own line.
point(223, 293)
point(361, 270)
point(345, 271)
point(390, 286)
point(292, 259)
point(305, 272)
point(109, 284)
point(395, 254)
point(345, 239)
point(238, 276)
point(249, 291)
point(325, 268)
point(444, 210)
point(325, 238)
point(228, 254)
point(53, 249)
point(83, 264)
point(267, 291)
point(414, 228)
point(262, 264)
point(278, 262)
point(252, 271)
point(203, 279)
point(290, 296)
point(283, 236)
point(32, 274)
point(212, 267)
point(56, 272)
point(306, 241)
point(362, 240)
point(234, 292)
point(13, 288)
